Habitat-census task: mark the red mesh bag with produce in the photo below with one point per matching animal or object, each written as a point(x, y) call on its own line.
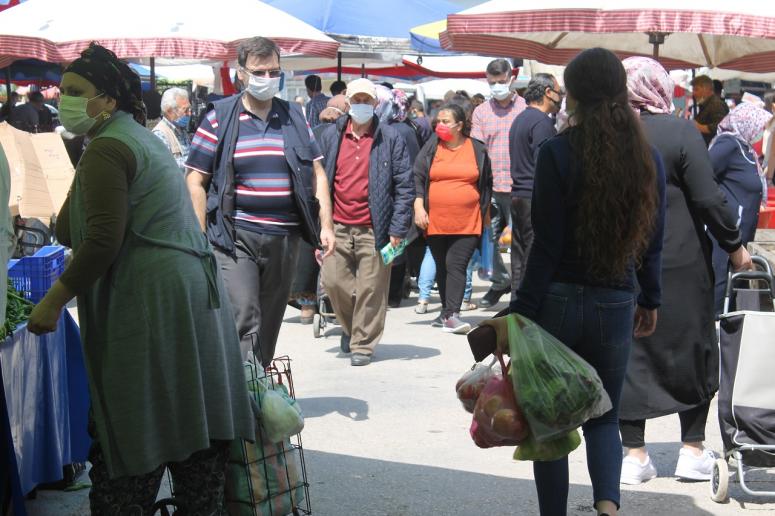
point(498, 421)
point(472, 383)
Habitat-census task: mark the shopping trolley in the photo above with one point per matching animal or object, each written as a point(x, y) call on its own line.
point(746, 397)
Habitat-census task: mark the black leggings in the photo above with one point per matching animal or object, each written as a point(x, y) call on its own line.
point(452, 254)
point(692, 427)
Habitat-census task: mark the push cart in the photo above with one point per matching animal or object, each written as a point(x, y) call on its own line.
point(746, 392)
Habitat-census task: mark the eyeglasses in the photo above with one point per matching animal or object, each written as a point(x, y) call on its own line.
point(274, 74)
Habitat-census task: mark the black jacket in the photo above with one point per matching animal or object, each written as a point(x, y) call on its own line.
point(391, 189)
point(422, 169)
point(298, 153)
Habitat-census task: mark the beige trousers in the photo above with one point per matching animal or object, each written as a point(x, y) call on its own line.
point(357, 282)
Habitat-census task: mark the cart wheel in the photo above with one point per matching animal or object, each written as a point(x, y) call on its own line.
point(316, 325)
point(719, 481)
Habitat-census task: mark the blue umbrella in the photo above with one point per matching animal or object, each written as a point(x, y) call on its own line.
point(368, 27)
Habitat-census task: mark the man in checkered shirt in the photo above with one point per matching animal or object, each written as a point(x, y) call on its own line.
point(491, 123)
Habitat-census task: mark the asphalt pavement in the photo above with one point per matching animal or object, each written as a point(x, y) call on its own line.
point(392, 439)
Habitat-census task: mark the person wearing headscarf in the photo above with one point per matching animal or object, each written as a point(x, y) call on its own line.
point(161, 350)
point(675, 370)
point(735, 153)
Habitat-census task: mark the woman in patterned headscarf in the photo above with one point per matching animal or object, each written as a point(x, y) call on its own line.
point(161, 349)
point(675, 370)
point(735, 153)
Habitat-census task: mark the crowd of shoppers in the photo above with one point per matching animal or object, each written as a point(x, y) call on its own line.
point(186, 251)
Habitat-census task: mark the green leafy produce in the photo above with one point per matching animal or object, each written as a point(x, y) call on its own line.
point(17, 311)
point(530, 449)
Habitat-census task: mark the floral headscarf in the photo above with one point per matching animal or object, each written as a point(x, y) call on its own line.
point(649, 86)
point(384, 108)
point(400, 106)
point(745, 122)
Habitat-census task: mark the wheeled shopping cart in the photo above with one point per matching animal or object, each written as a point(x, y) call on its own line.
point(746, 391)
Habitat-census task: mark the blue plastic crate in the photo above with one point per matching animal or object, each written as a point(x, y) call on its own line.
point(33, 275)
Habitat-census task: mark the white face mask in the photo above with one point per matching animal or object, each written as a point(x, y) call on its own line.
point(72, 114)
point(361, 113)
point(500, 91)
point(263, 88)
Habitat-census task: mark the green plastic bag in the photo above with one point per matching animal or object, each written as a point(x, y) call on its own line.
point(557, 390)
point(530, 449)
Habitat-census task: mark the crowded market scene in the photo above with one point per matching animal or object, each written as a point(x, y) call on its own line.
point(456, 257)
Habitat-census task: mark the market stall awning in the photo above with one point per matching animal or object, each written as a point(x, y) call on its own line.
point(58, 30)
point(712, 33)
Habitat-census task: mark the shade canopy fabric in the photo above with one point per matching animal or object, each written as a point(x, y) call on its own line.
point(57, 30)
point(693, 33)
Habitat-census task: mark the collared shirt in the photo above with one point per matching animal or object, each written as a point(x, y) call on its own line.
point(712, 111)
point(264, 200)
point(314, 107)
point(491, 123)
point(351, 181)
point(183, 140)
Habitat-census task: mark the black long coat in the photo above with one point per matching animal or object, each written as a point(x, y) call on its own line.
point(677, 367)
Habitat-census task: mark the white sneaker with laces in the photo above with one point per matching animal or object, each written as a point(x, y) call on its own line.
point(635, 472)
point(694, 467)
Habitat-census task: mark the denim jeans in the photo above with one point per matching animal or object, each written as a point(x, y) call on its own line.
point(427, 276)
point(596, 323)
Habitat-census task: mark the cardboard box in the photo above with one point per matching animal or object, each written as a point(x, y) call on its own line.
point(41, 172)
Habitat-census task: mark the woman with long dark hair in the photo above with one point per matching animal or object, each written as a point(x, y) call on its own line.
point(453, 182)
point(598, 216)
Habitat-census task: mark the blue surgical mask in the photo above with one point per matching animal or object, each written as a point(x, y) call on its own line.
point(361, 113)
point(182, 122)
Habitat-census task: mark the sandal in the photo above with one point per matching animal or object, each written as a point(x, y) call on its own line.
point(467, 306)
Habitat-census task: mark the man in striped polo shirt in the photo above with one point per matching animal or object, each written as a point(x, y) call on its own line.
point(257, 185)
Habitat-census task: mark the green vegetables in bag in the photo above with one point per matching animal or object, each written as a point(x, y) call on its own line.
point(17, 311)
point(530, 449)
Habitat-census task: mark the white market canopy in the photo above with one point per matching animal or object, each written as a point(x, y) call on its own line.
point(58, 30)
point(692, 33)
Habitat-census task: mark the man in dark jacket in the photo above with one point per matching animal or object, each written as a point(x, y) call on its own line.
point(712, 108)
point(254, 167)
point(371, 180)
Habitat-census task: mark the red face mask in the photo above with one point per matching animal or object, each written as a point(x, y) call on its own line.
point(443, 132)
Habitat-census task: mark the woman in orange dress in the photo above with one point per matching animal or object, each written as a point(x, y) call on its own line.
point(453, 180)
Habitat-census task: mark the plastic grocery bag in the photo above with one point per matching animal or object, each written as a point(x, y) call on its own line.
point(554, 449)
point(279, 414)
point(471, 384)
point(498, 421)
point(486, 250)
point(557, 390)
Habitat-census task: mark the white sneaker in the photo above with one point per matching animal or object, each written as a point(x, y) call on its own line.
point(634, 472)
point(692, 467)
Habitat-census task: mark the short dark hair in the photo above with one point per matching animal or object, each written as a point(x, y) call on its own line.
point(703, 80)
point(417, 106)
point(387, 85)
point(35, 96)
point(718, 87)
point(536, 88)
point(259, 47)
point(498, 67)
point(338, 87)
point(313, 83)
point(478, 96)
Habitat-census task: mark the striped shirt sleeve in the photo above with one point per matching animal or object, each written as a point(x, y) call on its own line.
point(201, 156)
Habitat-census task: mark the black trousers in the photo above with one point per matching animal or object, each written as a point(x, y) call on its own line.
point(521, 239)
point(258, 281)
point(452, 254)
point(692, 427)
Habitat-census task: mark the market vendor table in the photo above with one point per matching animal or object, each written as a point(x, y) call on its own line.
point(44, 404)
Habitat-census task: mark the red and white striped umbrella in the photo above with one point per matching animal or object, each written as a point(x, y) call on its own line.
point(692, 33)
point(58, 30)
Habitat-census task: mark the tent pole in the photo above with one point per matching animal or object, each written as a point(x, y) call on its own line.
point(338, 66)
point(694, 99)
point(153, 73)
point(7, 84)
point(363, 69)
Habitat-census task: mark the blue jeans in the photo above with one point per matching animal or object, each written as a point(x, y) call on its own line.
point(427, 276)
point(596, 323)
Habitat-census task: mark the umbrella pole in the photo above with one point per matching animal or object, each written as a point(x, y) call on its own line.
point(363, 69)
point(338, 66)
point(7, 84)
point(153, 73)
point(694, 99)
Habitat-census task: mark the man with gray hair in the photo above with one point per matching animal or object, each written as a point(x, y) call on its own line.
point(528, 131)
point(172, 128)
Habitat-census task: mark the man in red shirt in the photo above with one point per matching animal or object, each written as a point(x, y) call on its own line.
point(373, 190)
